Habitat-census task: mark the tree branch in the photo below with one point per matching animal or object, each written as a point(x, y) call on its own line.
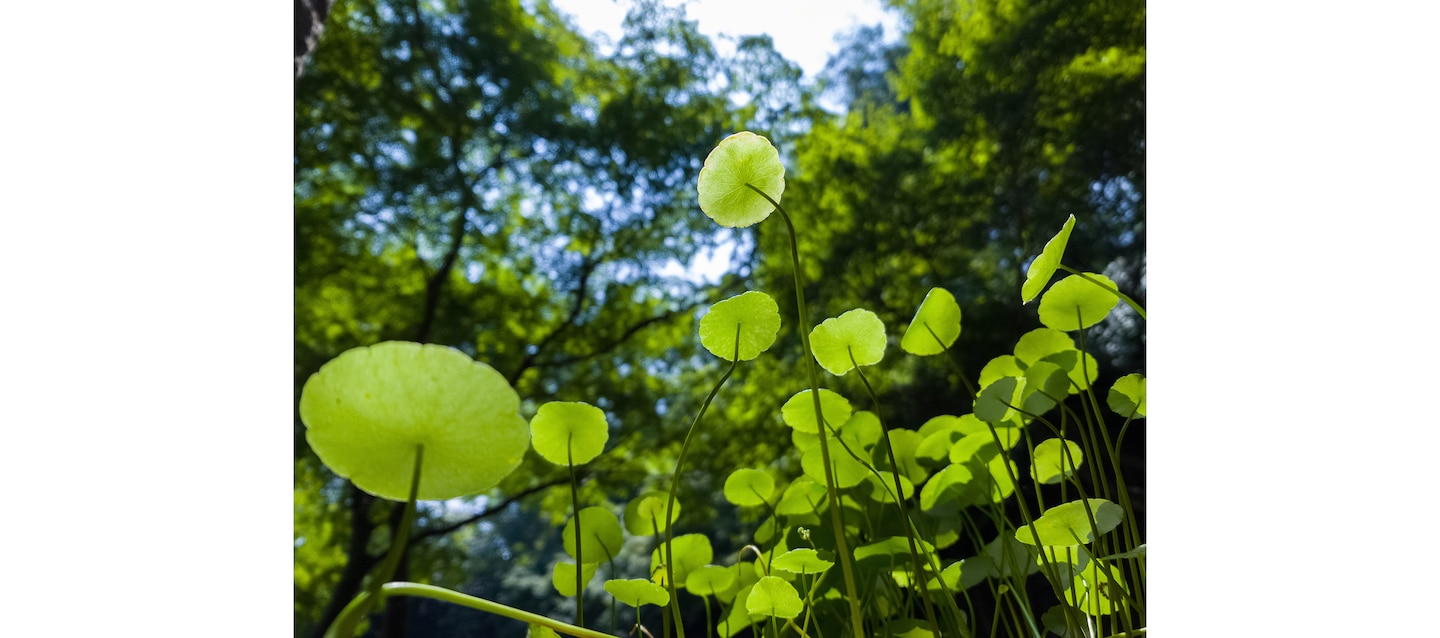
point(418, 536)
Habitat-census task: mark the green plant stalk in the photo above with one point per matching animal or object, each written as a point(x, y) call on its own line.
point(953, 363)
point(842, 548)
point(440, 593)
point(920, 567)
point(1123, 297)
point(344, 625)
point(575, 507)
point(675, 485)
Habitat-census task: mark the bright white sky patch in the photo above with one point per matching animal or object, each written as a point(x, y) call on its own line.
point(803, 30)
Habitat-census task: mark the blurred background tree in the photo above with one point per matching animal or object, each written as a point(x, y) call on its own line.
point(477, 174)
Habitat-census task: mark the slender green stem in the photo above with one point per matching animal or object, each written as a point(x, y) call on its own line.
point(900, 498)
point(953, 363)
point(1123, 297)
point(344, 625)
point(579, 560)
point(440, 593)
point(842, 548)
point(675, 485)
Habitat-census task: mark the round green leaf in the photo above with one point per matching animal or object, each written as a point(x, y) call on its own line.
point(1050, 460)
point(954, 483)
point(748, 488)
point(709, 580)
point(802, 561)
point(645, 514)
point(799, 411)
point(938, 314)
point(1002, 366)
point(863, 426)
point(692, 551)
point(1067, 524)
point(758, 320)
point(1082, 368)
point(1046, 384)
point(1127, 396)
point(564, 431)
point(804, 496)
point(1075, 304)
point(848, 471)
point(1041, 342)
point(637, 591)
point(1098, 591)
point(740, 159)
point(882, 486)
point(366, 412)
point(858, 333)
point(993, 404)
point(563, 577)
point(1043, 268)
point(772, 596)
point(600, 535)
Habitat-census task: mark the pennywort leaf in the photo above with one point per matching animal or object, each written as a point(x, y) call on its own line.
point(1068, 525)
point(772, 596)
point(563, 577)
point(938, 314)
point(566, 431)
point(600, 538)
point(740, 159)
point(1127, 396)
point(645, 514)
point(754, 313)
point(1075, 304)
point(749, 487)
point(366, 411)
point(637, 591)
point(858, 333)
point(799, 411)
point(1043, 268)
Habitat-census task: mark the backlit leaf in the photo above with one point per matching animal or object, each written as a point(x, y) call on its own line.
point(563, 577)
point(754, 313)
point(692, 551)
point(772, 596)
point(858, 333)
point(1051, 462)
point(938, 316)
point(1068, 524)
point(367, 410)
point(1044, 266)
point(709, 580)
point(740, 159)
point(1127, 396)
point(637, 591)
point(749, 487)
point(562, 429)
point(799, 411)
point(600, 535)
point(1074, 303)
point(645, 514)
point(802, 561)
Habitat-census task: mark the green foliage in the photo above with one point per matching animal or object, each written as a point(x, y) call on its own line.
point(1044, 266)
point(564, 576)
point(740, 162)
point(798, 413)
point(772, 596)
point(567, 433)
point(600, 535)
point(936, 324)
point(1070, 524)
point(854, 338)
point(1127, 396)
point(645, 514)
point(1074, 303)
point(369, 410)
point(749, 487)
point(637, 591)
point(752, 316)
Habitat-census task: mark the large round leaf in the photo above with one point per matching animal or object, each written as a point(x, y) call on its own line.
point(710, 580)
point(1074, 303)
point(740, 159)
point(799, 411)
point(754, 315)
point(1051, 462)
point(692, 551)
point(804, 496)
point(772, 596)
point(1040, 343)
point(600, 535)
point(1127, 396)
point(937, 318)
point(847, 470)
point(749, 487)
point(562, 432)
point(637, 591)
point(645, 514)
point(1002, 366)
point(858, 333)
point(1043, 268)
point(1068, 524)
point(802, 561)
point(367, 411)
point(564, 577)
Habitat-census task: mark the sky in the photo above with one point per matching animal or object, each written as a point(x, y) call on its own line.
point(803, 30)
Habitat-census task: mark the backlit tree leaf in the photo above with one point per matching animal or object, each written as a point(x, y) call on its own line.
point(561, 431)
point(938, 316)
point(740, 159)
point(366, 411)
point(758, 319)
point(858, 333)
